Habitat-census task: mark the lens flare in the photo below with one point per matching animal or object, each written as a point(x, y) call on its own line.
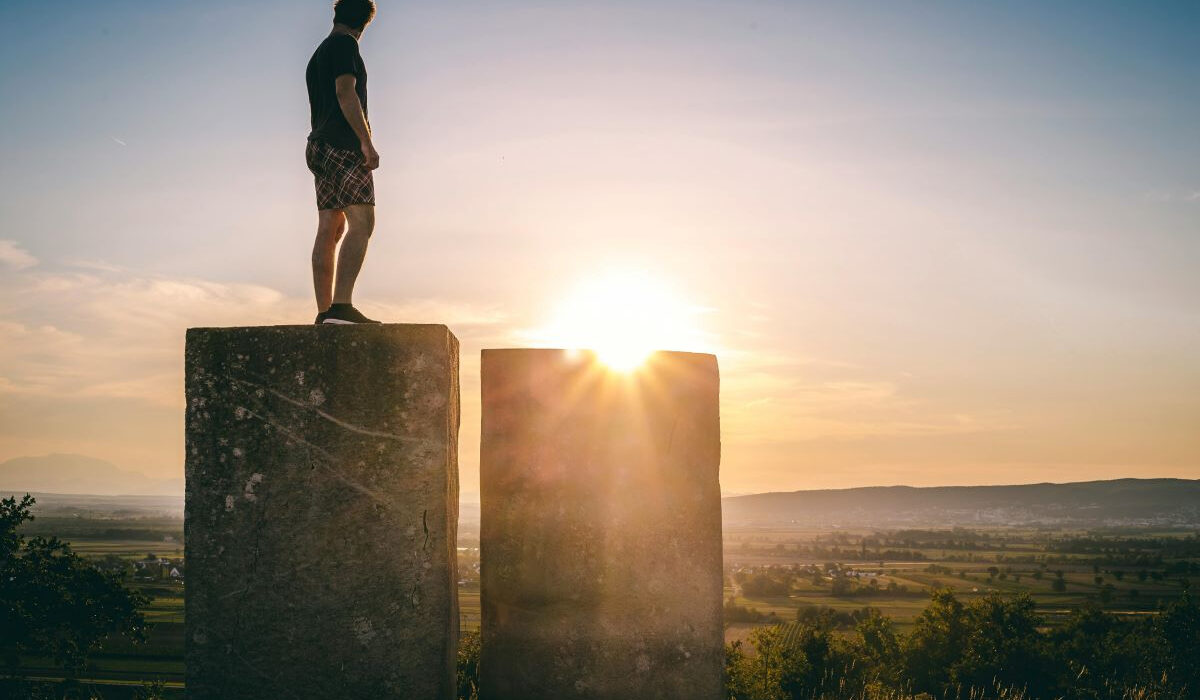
point(624, 316)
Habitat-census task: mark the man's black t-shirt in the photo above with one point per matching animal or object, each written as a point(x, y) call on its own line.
point(337, 55)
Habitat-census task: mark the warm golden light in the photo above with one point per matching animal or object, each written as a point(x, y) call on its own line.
point(623, 316)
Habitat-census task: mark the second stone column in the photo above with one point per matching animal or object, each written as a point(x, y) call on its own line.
point(601, 527)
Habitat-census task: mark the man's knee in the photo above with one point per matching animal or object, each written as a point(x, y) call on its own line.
point(360, 220)
point(330, 227)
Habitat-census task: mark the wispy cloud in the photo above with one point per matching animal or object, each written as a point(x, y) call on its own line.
point(771, 398)
point(15, 256)
point(1183, 195)
point(109, 335)
point(95, 265)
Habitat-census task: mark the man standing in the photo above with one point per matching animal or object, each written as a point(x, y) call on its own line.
point(341, 156)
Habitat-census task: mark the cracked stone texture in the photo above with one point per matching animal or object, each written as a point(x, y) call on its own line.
point(601, 528)
point(321, 512)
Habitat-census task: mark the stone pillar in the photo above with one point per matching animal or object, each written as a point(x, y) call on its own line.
point(322, 510)
point(601, 528)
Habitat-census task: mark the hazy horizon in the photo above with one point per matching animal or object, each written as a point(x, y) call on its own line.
point(930, 243)
point(11, 484)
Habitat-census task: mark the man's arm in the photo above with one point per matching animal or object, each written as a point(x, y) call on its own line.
point(352, 109)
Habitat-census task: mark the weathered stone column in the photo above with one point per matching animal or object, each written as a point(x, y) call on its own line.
point(322, 509)
point(601, 528)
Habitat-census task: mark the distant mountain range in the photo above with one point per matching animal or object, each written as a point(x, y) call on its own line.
point(1117, 502)
point(77, 474)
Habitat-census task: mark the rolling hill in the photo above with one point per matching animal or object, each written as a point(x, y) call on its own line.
point(77, 474)
point(1111, 502)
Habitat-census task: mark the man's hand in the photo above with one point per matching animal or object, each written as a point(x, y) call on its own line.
point(370, 155)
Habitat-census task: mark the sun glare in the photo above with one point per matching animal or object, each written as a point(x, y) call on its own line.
point(624, 317)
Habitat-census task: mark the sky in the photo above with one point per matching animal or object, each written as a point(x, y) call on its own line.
point(930, 242)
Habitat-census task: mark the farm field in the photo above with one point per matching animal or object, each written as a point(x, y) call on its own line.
point(772, 574)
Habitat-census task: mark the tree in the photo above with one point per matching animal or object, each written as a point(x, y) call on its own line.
point(1002, 646)
point(935, 643)
point(764, 584)
point(1178, 626)
point(816, 661)
point(113, 562)
point(878, 643)
point(760, 677)
point(54, 603)
point(741, 613)
point(1060, 584)
point(741, 681)
point(1087, 654)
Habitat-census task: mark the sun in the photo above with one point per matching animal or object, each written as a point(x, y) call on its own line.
point(624, 316)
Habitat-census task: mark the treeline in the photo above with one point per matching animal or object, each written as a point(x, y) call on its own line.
point(898, 540)
point(742, 613)
point(778, 581)
point(1115, 549)
point(1169, 547)
point(91, 530)
point(991, 647)
point(835, 552)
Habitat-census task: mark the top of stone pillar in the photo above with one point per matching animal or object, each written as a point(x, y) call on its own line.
point(654, 362)
point(352, 327)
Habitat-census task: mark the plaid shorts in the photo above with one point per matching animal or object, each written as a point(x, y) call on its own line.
point(341, 176)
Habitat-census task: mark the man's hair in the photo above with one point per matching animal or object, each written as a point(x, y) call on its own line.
point(353, 13)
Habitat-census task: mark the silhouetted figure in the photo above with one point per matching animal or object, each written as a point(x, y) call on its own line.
point(341, 156)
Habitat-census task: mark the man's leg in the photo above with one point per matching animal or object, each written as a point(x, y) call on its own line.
point(330, 225)
point(360, 222)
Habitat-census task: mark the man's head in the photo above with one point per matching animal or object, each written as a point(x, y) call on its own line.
point(355, 14)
